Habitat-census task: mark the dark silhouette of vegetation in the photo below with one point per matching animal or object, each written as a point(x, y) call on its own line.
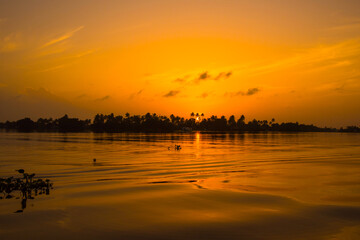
point(156, 123)
point(24, 188)
point(63, 124)
point(350, 129)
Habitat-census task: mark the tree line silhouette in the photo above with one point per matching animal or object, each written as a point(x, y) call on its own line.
point(157, 123)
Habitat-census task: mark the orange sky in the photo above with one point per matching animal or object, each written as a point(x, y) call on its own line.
point(291, 60)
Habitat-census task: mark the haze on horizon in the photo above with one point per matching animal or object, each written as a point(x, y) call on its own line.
point(288, 60)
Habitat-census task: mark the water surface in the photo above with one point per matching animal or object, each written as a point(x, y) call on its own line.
point(218, 186)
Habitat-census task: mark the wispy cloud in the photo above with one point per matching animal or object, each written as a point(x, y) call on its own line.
point(69, 60)
point(354, 24)
point(107, 97)
point(202, 77)
point(342, 85)
point(82, 54)
point(335, 64)
point(52, 68)
point(82, 96)
point(340, 88)
point(182, 79)
point(136, 94)
point(171, 93)
point(223, 75)
point(60, 48)
point(326, 56)
point(62, 38)
point(249, 92)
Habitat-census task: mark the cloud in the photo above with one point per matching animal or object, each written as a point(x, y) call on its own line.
point(60, 49)
point(82, 96)
point(340, 88)
point(62, 38)
point(107, 97)
point(336, 64)
point(350, 26)
point(223, 75)
point(171, 93)
point(202, 77)
point(318, 58)
point(249, 92)
point(52, 68)
point(181, 80)
point(252, 91)
point(136, 94)
point(82, 54)
point(51, 51)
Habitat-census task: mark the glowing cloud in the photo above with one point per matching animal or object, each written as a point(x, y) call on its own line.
point(171, 93)
point(63, 37)
point(249, 92)
point(107, 97)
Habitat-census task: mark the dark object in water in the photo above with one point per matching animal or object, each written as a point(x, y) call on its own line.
point(94, 160)
point(27, 186)
point(177, 147)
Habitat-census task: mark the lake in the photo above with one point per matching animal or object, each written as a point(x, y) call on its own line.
point(217, 186)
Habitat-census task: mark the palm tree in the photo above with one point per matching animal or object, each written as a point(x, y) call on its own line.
point(172, 117)
point(242, 118)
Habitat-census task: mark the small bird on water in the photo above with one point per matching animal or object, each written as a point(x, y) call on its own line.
point(94, 160)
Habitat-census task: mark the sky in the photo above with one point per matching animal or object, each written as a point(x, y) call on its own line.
point(288, 60)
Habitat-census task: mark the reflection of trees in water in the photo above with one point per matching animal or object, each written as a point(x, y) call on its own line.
point(24, 188)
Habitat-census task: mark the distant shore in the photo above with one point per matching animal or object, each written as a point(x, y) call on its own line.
point(153, 123)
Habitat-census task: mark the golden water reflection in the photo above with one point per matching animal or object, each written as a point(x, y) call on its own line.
point(218, 186)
